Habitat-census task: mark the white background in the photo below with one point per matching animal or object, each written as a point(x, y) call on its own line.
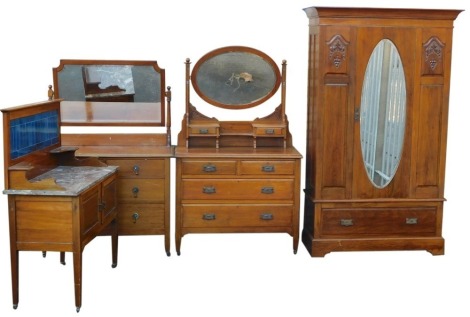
point(231, 274)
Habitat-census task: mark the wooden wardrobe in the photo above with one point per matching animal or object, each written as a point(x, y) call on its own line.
point(378, 94)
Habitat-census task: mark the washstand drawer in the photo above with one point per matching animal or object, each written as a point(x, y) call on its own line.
point(139, 168)
point(267, 167)
point(191, 167)
point(141, 218)
point(380, 221)
point(141, 190)
point(215, 189)
point(237, 215)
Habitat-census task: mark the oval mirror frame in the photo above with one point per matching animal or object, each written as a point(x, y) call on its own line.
point(383, 114)
point(235, 77)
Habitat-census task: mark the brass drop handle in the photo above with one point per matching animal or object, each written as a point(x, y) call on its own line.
point(266, 216)
point(136, 169)
point(208, 190)
point(208, 216)
point(267, 190)
point(135, 216)
point(269, 131)
point(346, 222)
point(209, 168)
point(135, 191)
point(411, 221)
point(203, 131)
point(267, 168)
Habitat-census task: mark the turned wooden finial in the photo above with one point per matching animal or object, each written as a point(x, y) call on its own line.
point(50, 93)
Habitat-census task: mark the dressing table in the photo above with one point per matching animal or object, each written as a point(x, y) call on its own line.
point(236, 176)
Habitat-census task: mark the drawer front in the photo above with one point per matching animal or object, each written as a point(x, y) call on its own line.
point(267, 167)
point(139, 168)
point(203, 130)
point(190, 167)
point(237, 215)
point(140, 218)
point(379, 221)
point(269, 131)
point(141, 190)
point(214, 189)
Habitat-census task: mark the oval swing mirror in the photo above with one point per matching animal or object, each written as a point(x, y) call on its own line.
point(383, 109)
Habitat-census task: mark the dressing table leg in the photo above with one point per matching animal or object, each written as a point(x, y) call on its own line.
point(77, 274)
point(114, 243)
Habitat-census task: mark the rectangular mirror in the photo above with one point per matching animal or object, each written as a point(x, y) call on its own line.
point(106, 92)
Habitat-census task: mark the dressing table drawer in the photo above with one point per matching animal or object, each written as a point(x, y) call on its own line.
point(214, 189)
point(237, 215)
point(195, 167)
point(139, 168)
point(141, 218)
point(141, 190)
point(267, 168)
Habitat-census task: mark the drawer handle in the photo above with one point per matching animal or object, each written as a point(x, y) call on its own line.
point(411, 221)
point(135, 191)
point(208, 216)
point(102, 206)
point(135, 216)
point(209, 168)
point(203, 131)
point(269, 131)
point(346, 222)
point(266, 216)
point(267, 168)
point(267, 190)
point(208, 190)
point(136, 169)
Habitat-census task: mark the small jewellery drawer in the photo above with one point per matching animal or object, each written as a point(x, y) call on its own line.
point(140, 218)
point(209, 129)
point(268, 131)
point(267, 167)
point(237, 215)
point(190, 167)
point(141, 190)
point(214, 189)
point(139, 168)
point(370, 221)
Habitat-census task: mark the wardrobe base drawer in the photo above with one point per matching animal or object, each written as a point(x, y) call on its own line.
point(378, 221)
point(237, 215)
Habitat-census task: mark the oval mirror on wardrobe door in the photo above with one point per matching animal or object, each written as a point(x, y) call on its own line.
point(383, 110)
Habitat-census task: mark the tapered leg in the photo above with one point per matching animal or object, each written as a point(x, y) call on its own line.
point(114, 243)
point(62, 258)
point(77, 275)
point(14, 276)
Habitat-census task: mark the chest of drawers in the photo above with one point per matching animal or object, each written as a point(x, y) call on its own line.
point(228, 191)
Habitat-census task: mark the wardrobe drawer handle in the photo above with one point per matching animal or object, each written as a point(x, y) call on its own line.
point(208, 216)
point(346, 222)
point(411, 221)
point(267, 216)
point(269, 131)
point(209, 168)
point(203, 131)
point(208, 190)
point(267, 168)
point(267, 190)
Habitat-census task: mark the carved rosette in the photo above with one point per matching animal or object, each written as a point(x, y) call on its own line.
point(337, 51)
point(433, 55)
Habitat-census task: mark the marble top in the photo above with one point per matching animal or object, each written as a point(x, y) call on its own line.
point(74, 180)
